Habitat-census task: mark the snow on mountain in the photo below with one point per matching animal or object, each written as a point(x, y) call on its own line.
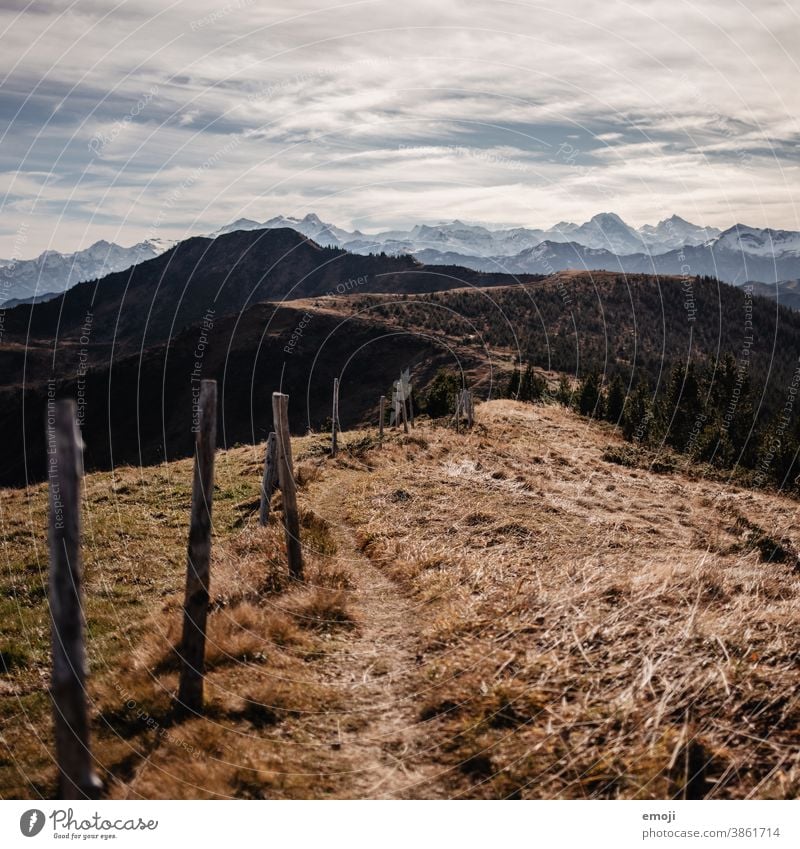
point(675, 232)
point(730, 265)
point(760, 242)
point(452, 237)
point(54, 272)
point(312, 227)
point(603, 242)
point(239, 224)
point(740, 253)
point(607, 231)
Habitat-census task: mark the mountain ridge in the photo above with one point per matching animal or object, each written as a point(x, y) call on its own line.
point(53, 272)
point(742, 252)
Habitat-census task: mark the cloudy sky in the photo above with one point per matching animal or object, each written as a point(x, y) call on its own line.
point(148, 118)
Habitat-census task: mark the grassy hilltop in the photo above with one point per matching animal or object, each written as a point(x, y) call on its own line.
point(506, 613)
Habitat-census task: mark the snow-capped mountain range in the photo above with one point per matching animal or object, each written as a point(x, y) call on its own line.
point(605, 242)
point(52, 272)
point(738, 255)
point(606, 231)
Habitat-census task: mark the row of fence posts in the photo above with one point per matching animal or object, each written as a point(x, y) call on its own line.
point(77, 778)
point(402, 409)
point(403, 406)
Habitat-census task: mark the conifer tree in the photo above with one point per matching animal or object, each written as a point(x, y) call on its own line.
point(589, 398)
point(615, 402)
point(564, 392)
point(684, 411)
point(638, 419)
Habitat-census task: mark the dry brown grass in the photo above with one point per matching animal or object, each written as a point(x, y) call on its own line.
point(503, 613)
point(261, 636)
point(592, 630)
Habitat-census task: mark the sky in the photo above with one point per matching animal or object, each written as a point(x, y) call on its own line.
point(151, 119)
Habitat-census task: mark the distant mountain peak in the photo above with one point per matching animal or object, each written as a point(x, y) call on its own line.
point(607, 216)
point(53, 272)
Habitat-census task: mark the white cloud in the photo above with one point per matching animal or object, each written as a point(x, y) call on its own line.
point(665, 107)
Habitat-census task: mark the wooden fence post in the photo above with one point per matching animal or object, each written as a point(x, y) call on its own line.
point(470, 414)
point(381, 415)
point(291, 519)
point(198, 560)
point(401, 400)
point(77, 779)
point(335, 416)
point(269, 478)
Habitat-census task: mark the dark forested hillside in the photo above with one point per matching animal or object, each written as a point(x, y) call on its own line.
point(636, 326)
point(156, 300)
point(140, 409)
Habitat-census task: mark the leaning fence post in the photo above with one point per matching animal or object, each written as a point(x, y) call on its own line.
point(68, 684)
point(335, 416)
point(198, 561)
point(291, 519)
point(268, 480)
point(381, 416)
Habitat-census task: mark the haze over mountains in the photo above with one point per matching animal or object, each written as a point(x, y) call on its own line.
point(737, 255)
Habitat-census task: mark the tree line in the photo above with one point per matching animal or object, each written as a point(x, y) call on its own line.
point(707, 410)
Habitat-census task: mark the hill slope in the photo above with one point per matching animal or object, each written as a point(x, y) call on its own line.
point(152, 301)
point(134, 363)
point(498, 614)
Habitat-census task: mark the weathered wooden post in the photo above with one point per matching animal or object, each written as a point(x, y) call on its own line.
point(459, 401)
point(405, 385)
point(269, 478)
point(68, 683)
point(396, 405)
point(291, 518)
point(381, 415)
point(470, 414)
point(335, 416)
point(401, 400)
point(198, 560)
